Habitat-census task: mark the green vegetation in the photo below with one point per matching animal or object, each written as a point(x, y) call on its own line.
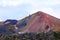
point(32, 36)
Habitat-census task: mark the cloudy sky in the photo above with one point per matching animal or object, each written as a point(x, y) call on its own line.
point(17, 9)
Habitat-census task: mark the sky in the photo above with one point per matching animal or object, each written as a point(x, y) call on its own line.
point(18, 9)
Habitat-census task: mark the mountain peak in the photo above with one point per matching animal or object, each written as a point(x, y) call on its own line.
point(39, 21)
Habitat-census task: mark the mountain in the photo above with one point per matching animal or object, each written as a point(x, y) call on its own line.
point(37, 22)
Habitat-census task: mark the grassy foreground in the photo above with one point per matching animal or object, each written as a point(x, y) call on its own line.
point(32, 36)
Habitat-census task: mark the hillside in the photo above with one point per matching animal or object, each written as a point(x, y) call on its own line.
point(37, 22)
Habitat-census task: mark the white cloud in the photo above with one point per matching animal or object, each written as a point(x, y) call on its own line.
point(50, 2)
point(44, 2)
point(54, 2)
point(5, 3)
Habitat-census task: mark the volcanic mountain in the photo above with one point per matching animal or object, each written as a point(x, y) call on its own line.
point(37, 22)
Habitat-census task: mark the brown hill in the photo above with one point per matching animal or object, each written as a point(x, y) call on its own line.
point(37, 22)
point(40, 22)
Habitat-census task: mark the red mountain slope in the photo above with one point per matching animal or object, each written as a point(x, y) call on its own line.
point(41, 22)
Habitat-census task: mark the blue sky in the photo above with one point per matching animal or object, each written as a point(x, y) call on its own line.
point(18, 9)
